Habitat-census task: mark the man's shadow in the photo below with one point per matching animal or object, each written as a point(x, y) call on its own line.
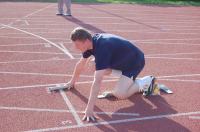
point(152, 106)
point(83, 24)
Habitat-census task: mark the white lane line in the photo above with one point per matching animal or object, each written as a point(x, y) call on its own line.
point(42, 74)
point(52, 53)
point(66, 111)
point(195, 117)
point(182, 75)
point(173, 58)
point(33, 109)
point(124, 31)
point(171, 54)
point(71, 108)
point(41, 22)
point(69, 75)
point(13, 45)
point(18, 37)
point(37, 36)
point(154, 40)
point(67, 53)
point(26, 22)
point(30, 52)
point(49, 85)
point(84, 82)
point(66, 50)
point(67, 101)
point(32, 61)
point(28, 15)
point(180, 80)
point(117, 121)
point(35, 12)
point(68, 42)
point(169, 43)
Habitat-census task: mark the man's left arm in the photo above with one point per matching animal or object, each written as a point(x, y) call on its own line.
point(89, 112)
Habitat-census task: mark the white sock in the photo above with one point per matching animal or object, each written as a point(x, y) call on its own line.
point(144, 82)
point(140, 84)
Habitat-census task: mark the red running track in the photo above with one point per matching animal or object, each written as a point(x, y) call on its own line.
point(32, 58)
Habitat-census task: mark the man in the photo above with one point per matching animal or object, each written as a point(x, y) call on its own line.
point(113, 54)
point(60, 7)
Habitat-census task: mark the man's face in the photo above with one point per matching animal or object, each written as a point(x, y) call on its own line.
point(81, 45)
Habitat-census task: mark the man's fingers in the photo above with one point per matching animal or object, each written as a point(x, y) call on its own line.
point(88, 119)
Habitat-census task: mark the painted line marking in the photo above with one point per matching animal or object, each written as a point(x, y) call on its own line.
point(19, 37)
point(169, 43)
point(66, 50)
point(171, 54)
point(67, 101)
point(173, 58)
point(28, 15)
point(37, 11)
point(37, 36)
point(66, 111)
point(153, 43)
point(71, 108)
point(26, 22)
point(50, 74)
point(49, 85)
point(78, 120)
point(31, 61)
point(181, 80)
point(67, 122)
point(53, 22)
point(84, 82)
point(117, 121)
point(182, 75)
point(153, 56)
point(43, 74)
point(13, 45)
point(195, 117)
point(30, 52)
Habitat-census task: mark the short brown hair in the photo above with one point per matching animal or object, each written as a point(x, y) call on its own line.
point(81, 34)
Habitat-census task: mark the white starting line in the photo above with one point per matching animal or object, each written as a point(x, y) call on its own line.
point(117, 121)
point(65, 111)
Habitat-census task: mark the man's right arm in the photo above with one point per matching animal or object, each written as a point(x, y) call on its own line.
point(78, 69)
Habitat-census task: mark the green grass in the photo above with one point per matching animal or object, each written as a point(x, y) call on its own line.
point(152, 2)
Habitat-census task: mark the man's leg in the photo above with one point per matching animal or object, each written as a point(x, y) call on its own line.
point(68, 6)
point(60, 7)
point(125, 87)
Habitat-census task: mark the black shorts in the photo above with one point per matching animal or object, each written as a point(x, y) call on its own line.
point(133, 73)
